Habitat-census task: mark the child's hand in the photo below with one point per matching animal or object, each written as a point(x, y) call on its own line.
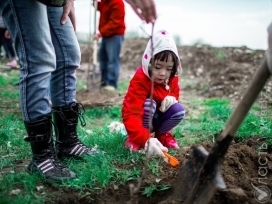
point(167, 102)
point(154, 147)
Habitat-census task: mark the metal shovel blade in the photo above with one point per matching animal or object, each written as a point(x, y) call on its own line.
point(201, 175)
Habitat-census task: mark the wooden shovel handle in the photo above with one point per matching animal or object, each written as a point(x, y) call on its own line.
point(252, 92)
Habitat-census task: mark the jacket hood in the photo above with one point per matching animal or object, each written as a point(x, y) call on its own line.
point(161, 41)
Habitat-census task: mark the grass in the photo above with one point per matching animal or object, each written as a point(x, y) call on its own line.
point(115, 165)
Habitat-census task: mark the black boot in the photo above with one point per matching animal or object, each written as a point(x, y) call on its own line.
point(66, 120)
point(44, 159)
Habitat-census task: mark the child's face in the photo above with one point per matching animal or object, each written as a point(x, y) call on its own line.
point(162, 69)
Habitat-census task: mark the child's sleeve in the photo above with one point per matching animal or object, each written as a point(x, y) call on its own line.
point(133, 111)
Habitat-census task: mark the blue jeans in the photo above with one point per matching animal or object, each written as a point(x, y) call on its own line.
point(109, 60)
point(48, 54)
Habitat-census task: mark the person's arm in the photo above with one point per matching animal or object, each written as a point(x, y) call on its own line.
point(145, 9)
point(133, 111)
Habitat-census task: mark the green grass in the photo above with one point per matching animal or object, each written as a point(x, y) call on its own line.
point(115, 165)
point(213, 118)
point(123, 85)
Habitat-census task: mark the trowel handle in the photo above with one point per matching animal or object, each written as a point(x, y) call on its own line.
point(252, 92)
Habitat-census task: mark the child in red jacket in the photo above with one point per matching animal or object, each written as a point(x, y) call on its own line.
point(166, 111)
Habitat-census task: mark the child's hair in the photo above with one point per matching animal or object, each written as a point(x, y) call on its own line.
point(163, 56)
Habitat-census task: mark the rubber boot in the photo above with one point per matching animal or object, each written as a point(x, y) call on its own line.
point(44, 159)
point(66, 120)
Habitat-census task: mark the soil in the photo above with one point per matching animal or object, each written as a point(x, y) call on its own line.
point(223, 72)
point(239, 170)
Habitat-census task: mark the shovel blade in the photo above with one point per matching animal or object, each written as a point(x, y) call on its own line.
point(95, 75)
point(201, 177)
point(94, 79)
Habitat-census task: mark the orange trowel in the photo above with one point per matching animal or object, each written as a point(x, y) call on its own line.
point(173, 161)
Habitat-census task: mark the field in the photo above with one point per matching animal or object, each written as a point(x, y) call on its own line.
point(212, 83)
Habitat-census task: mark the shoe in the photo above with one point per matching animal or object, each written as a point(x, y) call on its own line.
point(66, 120)
point(167, 140)
point(51, 169)
point(45, 161)
point(109, 88)
point(132, 146)
point(75, 148)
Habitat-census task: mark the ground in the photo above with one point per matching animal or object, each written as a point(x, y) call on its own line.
point(207, 72)
point(239, 170)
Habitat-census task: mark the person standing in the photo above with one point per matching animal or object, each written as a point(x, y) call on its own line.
point(45, 41)
point(111, 29)
point(6, 41)
point(8, 44)
point(49, 54)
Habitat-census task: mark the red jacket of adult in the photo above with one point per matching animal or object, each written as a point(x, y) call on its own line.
point(132, 111)
point(112, 17)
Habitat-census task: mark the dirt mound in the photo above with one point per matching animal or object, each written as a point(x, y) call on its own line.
point(217, 72)
point(222, 72)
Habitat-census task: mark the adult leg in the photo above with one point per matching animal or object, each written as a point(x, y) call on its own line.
point(37, 58)
point(113, 49)
point(66, 110)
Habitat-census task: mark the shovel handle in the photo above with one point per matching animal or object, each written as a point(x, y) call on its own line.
point(252, 92)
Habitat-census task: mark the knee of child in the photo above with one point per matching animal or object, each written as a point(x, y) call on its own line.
point(178, 109)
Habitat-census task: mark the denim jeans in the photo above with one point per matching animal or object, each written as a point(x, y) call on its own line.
point(48, 54)
point(109, 60)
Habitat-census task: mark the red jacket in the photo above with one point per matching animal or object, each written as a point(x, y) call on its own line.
point(138, 91)
point(112, 17)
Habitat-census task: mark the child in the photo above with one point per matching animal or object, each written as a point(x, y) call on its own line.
point(166, 111)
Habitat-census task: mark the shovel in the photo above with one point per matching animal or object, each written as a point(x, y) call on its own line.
point(200, 177)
